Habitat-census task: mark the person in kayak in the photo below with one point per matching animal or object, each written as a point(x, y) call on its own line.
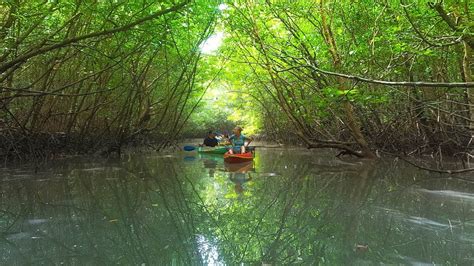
point(238, 141)
point(210, 140)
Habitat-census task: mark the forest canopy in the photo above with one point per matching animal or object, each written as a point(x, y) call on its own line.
point(356, 76)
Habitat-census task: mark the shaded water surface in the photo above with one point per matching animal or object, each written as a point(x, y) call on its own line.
point(289, 206)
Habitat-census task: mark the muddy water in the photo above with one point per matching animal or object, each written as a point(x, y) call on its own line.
point(288, 206)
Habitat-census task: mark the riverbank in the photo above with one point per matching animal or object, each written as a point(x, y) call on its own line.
point(39, 148)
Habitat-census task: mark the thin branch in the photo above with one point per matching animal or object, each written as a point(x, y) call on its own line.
point(327, 144)
point(109, 32)
point(438, 6)
point(423, 37)
point(388, 83)
point(441, 171)
point(29, 93)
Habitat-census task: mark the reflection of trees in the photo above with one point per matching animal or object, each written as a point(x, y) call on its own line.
point(239, 174)
point(409, 226)
point(399, 224)
point(317, 213)
point(291, 219)
point(149, 210)
point(130, 216)
point(267, 226)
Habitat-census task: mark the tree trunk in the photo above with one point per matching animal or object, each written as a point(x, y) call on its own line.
point(350, 120)
point(466, 65)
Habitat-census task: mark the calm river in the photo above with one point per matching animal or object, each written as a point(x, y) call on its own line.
point(290, 206)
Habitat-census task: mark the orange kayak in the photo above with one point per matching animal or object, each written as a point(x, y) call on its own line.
point(238, 158)
point(239, 167)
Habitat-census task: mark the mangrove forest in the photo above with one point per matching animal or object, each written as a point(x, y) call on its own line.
point(240, 132)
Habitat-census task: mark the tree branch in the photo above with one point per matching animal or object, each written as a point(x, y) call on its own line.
point(389, 83)
point(441, 171)
point(438, 6)
point(328, 144)
point(23, 58)
point(423, 37)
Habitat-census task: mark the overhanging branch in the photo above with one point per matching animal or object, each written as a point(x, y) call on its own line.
point(388, 83)
point(109, 32)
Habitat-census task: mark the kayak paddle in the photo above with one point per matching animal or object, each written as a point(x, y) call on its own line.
point(189, 148)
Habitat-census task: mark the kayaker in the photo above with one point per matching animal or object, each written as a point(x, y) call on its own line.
point(210, 140)
point(239, 141)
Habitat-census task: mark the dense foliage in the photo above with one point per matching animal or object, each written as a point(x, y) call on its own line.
point(290, 56)
point(96, 75)
point(388, 75)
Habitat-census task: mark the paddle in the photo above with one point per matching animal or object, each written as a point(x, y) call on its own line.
point(189, 148)
point(192, 148)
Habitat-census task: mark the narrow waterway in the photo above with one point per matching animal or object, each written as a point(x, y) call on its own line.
point(290, 205)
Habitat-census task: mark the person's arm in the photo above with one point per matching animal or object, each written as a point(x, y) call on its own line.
point(248, 139)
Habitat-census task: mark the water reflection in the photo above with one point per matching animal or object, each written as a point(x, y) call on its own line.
point(210, 162)
point(288, 206)
point(239, 174)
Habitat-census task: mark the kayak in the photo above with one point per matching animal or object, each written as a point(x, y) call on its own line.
point(239, 167)
point(213, 150)
point(238, 158)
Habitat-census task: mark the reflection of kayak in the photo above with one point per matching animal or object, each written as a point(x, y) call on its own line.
point(238, 158)
point(213, 150)
point(210, 156)
point(189, 158)
point(209, 163)
point(239, 167)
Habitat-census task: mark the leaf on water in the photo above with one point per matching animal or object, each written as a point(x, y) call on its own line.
point(361, 248)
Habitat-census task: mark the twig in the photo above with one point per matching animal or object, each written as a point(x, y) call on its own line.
point(441, 171)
